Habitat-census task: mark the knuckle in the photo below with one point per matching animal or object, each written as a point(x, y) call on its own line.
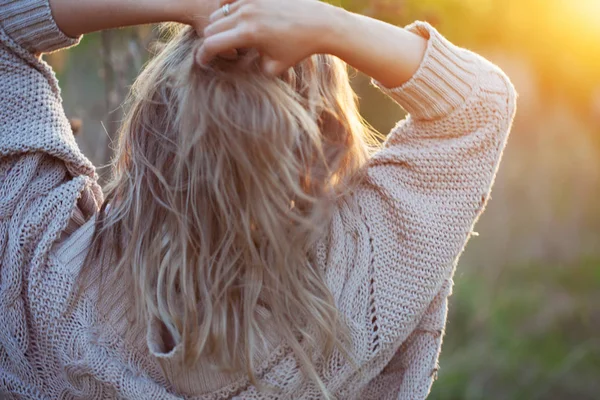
point(247, 35)
point(209, 45)
point(247, 10)
point(251, 32)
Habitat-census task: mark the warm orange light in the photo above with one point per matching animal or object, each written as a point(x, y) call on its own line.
point(585, 14)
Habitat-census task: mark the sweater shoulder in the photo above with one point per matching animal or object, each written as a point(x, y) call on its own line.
point(29, 26)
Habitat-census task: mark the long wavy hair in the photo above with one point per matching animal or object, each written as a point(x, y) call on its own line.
point(223, 181)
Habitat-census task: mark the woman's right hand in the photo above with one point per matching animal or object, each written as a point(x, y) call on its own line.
point(284, 32)
point(287, 31)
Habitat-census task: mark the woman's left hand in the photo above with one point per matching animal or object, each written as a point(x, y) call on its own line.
point(284, 32)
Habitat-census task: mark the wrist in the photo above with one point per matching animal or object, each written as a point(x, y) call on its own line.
point(183, 11)
point(336, 31)
point(194, 12)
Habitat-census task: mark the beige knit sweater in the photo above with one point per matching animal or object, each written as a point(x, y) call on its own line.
point(388, 256)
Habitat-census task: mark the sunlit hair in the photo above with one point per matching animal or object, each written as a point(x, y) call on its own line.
point(224, 180)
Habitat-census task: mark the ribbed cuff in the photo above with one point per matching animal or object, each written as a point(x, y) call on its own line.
point(31, 25)
point(442, 83)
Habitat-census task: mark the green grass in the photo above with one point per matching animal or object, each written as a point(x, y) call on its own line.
point(532, 333)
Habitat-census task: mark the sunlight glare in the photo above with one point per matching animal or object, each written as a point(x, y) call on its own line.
point(585, 12)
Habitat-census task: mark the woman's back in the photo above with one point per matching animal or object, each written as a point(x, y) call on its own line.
point(240, 173)
point(379, 238)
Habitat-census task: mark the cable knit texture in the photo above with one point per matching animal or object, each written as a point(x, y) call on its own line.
point(388, 256)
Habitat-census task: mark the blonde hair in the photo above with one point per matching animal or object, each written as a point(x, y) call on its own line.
point(224, 180)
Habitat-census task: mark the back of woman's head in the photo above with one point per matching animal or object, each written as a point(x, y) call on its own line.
point(224, 179)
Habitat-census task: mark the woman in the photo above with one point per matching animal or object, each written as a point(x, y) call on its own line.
point(249, 246)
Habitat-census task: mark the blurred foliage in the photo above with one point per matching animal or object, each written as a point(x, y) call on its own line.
point(524, 319)
point(529, 335)
point(561, 38)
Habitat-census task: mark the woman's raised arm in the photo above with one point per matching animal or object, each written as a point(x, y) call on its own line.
point(287, 32)
point(77, 17)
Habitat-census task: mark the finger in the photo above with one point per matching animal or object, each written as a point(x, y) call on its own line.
point(230, 55)
point(221, 43)
point(220, 13)
point(273, 67)
point(221, 25)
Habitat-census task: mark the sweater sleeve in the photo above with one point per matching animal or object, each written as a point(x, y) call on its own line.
point(426, 188)
point(44, 178)
point(32, 118)
point(30, 25)
point(33, 124)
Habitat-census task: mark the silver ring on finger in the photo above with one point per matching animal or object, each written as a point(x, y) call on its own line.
point(226, 9)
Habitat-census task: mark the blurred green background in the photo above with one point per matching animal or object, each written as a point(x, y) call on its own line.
point(524, 321)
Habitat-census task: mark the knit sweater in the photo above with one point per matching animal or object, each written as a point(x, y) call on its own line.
point(388, 255)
